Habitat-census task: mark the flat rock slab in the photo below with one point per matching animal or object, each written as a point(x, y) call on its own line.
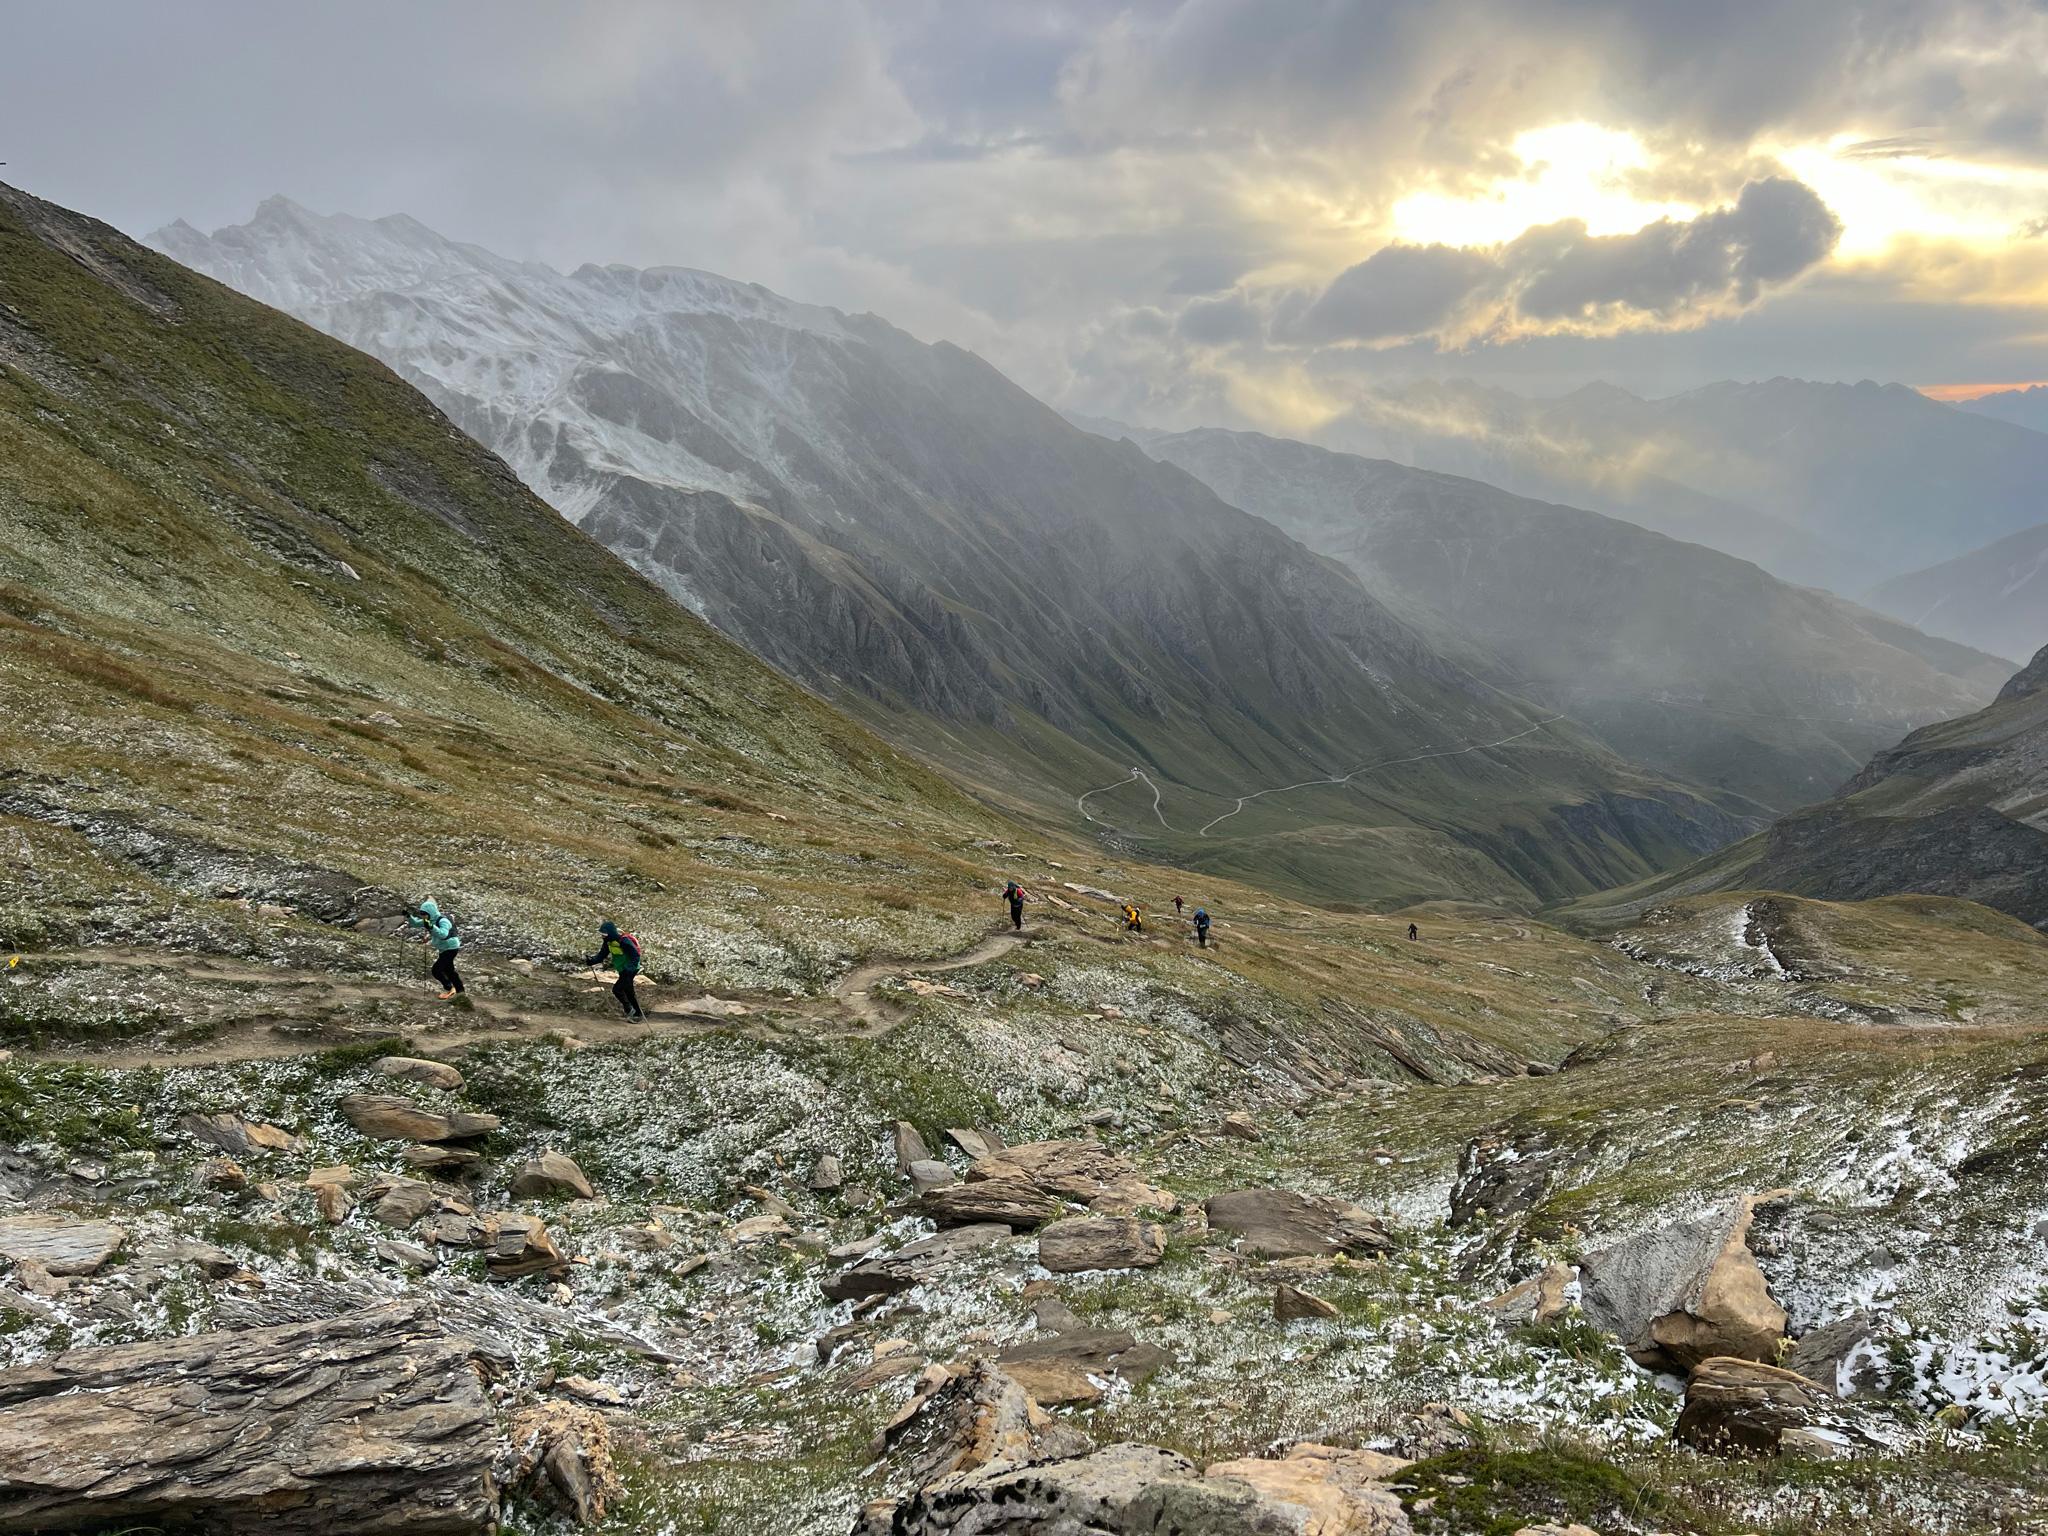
point(1082, 1171)
point(1282, 1224)
point(1013, 1202)
point(373, 1423)
point(1101, 1242)
point(418, 1069)
point(386, 1117)
point(912, 1264)
point(549, 1175)
point(63, 1245)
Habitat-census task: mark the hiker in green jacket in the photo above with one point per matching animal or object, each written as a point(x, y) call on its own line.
point(439, 930)
point(621, 951)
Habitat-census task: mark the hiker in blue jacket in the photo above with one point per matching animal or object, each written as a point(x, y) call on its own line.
point(621, 951)
point(439, 930)
point(1202, 926)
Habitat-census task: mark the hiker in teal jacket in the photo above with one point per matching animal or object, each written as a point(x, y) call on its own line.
point(621, 951)
point(439, 931)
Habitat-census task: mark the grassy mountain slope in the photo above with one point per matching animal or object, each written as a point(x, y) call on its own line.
point(282, 648)
point(1681, 658)
point(1036, 609)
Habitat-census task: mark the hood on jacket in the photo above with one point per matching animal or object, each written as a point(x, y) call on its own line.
point(429, 908)
point(609, 930)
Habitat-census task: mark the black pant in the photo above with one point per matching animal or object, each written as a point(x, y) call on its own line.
point(444, 971)
point(1016, 914)
point(622, 989)
point(1202, 937)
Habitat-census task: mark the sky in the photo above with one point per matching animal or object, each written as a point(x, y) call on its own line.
point(1240, 212)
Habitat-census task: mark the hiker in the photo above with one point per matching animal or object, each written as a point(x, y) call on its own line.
point(439, 930)
point(1176, 906)
point(1202, 926)
point(621, 951)
point(1413, 934)
point(1134, 919)
point(1013, 893)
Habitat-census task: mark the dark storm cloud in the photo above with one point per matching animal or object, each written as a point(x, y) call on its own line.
point(1775, 230)
point(1399, 290)
point(1081, 192)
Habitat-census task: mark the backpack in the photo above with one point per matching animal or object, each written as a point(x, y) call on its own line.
point(634, 945)
point(1013, 891)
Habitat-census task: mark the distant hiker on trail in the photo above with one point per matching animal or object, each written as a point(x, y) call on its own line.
point(1176, 906)
point(620, 951)
point(1014, 894)
point(1202, 926)
point(1134, 919)
point(1412, 932)
point(439, 930)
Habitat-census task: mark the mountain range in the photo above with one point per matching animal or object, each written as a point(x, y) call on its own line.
point(1679, 657)
point(1837, 485)
point(1062, 621)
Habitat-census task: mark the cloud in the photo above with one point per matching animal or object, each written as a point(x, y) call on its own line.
point(1558, 276)
point(1220, 322)
point(1399, 290)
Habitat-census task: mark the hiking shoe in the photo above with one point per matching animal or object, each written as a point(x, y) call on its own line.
point(448, 994)
point(636, 1014)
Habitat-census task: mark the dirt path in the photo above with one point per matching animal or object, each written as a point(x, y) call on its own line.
point(848, 1008)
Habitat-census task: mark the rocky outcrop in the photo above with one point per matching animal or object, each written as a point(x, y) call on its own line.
point(1082, 1171)
point(1743, 1406)
point(386, 1117)
point(1281, 1224)
point(61, 1245)
point(1291, 1305)
point(973, 1414)
point(912, 1264)
point(1141, 1490)
point(1101, 1242)
point(1013, 1202)
point(237, 1137)
point(1678, 1294)
point(1539, 1299)
point(374, 1423)
point(1065, 1367)
point(562, 1457)
point(552, 1175)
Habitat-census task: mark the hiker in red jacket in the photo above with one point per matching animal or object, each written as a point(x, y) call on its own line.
point(621, 951)
point(1013, 893)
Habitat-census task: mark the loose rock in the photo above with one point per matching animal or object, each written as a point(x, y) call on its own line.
point(1280, 1224)
point(550, 1175)
point(1101, 1242)
point(1291, 1305)
point(386, 1117)
point(62, 1245)
point(436, 1074)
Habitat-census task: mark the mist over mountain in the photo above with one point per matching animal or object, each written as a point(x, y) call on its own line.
point(1680, 657)
point(1052, 614)
point(1959, 808)
point(1835, 485)
point(2026, 407)
point(1995, 597)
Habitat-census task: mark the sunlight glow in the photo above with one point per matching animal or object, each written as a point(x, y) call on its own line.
point(1569, 171)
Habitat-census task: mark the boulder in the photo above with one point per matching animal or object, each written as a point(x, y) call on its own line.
point(1293, 1306)
point(1013, 1202)
point(386, 1117)
point(223, 1174)
point(398, 1202)
point(407, 1255)
point(912, 1264)
point(1082, 1171)
point(908, 1145)
point(373, 1422)
point(549, 1176)
point(1501, 1174)
point(1282, 1224)
point(976, 1144)
point(417, 1069)
point(1823, 1354)
point(1339, 1492)
point(1125, 1490)
point(62, 1245)
point(1064, 1367)
point(238, 1137)
point(449, 1162)
point(976, 1414)
point(516, 1245)
point(1538, 1299)
point(928, 1175)
point(562, 1457)
point(1101, 1242)
point(1241, 1126)
point(1735, 1406)
point(334, 1202)
point(826, 1174)
point(1679, 1294)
